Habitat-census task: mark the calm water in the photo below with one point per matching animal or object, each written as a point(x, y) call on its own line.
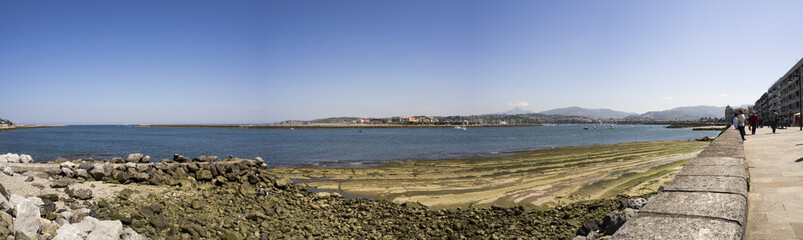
point(281, 147)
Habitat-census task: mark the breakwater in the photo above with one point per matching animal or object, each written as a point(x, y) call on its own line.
point(707, 200)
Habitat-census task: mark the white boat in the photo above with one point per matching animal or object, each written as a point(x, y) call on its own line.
point(292, 129)
point(458, 127)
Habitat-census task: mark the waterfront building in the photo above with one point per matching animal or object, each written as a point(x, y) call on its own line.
point(783, 96)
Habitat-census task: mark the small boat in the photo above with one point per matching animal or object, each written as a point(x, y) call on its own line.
point(585, 128)
point(292, 129)
point(595, 126)
point(458, 127)
point(464, 128)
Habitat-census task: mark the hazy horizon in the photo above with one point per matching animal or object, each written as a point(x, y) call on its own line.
point(197, 62)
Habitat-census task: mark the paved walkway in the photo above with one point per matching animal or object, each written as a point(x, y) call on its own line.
point(775, 200)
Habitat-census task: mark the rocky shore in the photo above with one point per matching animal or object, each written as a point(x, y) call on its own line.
point(213, 198)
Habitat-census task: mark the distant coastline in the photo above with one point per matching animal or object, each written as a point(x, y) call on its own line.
point(17, 127)
point(335, 126)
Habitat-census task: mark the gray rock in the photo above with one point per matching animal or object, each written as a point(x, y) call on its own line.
point(118, 160)
point(61, 183)
point(48, 227)
point(25, 158)
point(130, 234)
point(131, 165)
point(6, 220)
point(82, 173)
point(69, 232)
point(12, 158)
point(145, 159)
point(27, 220)
point(322, 195)
point(283, 182)
point(181, 159)
point(82, 194)
point(5, 205)
point(67, 172)
point(579, 238)
point(87, 225)
point(140, 176)
point(86, 166)
point(206, 159)
point(29, 179)
point(106, 230)
point(98, 171)
point(8, 171)
point(15, 199)
point(65, 217)
point(67, 165)
point(636, 203)
point(134, 157)
point(614, 220)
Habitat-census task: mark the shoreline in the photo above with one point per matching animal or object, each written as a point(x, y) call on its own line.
point(334, 126)
point(18, 127)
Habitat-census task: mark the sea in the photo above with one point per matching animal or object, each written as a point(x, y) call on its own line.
point(321, 147)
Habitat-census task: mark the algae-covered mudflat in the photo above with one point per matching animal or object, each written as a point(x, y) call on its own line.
point(533, 178)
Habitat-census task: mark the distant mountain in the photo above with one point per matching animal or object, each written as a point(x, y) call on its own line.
point(516, 111)
point(681, 113)
point(591, 113)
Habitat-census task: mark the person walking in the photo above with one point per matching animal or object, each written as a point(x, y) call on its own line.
point(740, 123)
point(753, 123)
point(774, 120)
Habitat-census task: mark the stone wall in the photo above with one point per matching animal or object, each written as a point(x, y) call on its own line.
point(707, 199)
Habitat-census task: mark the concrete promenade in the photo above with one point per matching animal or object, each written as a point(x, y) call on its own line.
point(775, 199)
point(707, 199)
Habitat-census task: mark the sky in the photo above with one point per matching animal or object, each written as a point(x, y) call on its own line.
point(174, 62)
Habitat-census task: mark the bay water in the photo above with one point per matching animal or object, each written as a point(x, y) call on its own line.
point(289, 148)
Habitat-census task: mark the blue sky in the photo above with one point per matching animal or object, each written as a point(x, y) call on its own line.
point(111, 62)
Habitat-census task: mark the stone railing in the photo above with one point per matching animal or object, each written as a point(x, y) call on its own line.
point(707, 199)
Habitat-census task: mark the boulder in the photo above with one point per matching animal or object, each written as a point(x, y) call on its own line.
point(283, 182)
point(130, 234)
point(68, 172)
point(134, 157)
point(140, 176)
point(48, 227)
point(323, 195)
point(145, 159)
point(106, 230)
point(5, 205)
point(29, 179)
point(15, 199)
point(12, 158)
point(27, 220)
point(65, 217)
point(25, 158)
point(69, 165)
point(82, 194)
point(61, 183)
point(69, 232)
point(637, 203)
point(131, 165)
point(82, 173)
point(181, 159)
point(6, 221)
point(86, 166)
point(614, 220)
point(3, 191)
point(117, 160)
point(203, 175)
point(206, 159)
point(47, 208)
point(87, 225)
point(8, 171)
point(98, 171)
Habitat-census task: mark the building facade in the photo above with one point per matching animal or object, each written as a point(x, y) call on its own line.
point(783, 96)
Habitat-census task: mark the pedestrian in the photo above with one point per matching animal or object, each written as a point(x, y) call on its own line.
point(753, 123)
point(774, 120)
point(740, 123)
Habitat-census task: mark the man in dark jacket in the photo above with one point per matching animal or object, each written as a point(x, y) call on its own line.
point(753, 123)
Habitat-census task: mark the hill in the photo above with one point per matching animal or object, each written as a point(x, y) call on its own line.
point(516, 111)
point(685, 113)
point(584, 112)
point(334, 120)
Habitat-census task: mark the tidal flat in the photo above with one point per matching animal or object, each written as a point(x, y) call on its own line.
point(540, 178)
